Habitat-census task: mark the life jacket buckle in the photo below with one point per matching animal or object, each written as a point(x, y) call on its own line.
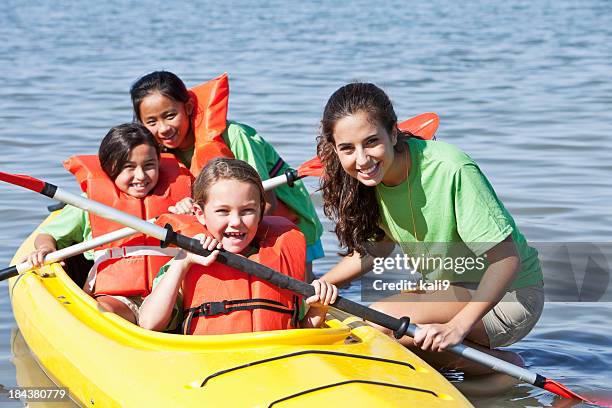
point(214, 308)
point(115, 252)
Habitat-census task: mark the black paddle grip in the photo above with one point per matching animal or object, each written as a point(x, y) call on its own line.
point(292, 176)
point(8, 273)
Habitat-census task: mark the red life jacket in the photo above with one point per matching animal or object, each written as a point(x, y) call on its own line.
point(119, 271)
point(209, 121)
point(222, 300)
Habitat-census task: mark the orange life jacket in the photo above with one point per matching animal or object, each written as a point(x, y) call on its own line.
point(221, 300)
point(123, 269)
point(209, 121)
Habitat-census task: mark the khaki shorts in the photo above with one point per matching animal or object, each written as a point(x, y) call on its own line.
point(514, 316)
point(132, 302)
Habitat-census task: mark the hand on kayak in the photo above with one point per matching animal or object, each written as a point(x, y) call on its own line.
point(208, 243)
point(325, 294)
point(185, 206)
point(439, 337)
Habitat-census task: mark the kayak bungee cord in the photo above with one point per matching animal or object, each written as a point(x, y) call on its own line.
point(400, 327)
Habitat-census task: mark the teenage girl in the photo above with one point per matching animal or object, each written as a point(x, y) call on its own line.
point(384, 187)
point(229, 203)
point(163, 104)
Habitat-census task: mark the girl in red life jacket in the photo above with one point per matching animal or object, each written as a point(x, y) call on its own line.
point(229, 203)
point(130, 158)
point(193, 125)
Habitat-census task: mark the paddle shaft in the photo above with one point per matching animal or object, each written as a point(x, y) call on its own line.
point(72, 250)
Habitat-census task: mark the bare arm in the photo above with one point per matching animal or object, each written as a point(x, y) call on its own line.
point(504, 264)
point(353, 266)
point(156, 309)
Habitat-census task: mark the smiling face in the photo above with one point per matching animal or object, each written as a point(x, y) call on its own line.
point(231, 213)
point(365, 149)
point(140, 173)
point(168, 120)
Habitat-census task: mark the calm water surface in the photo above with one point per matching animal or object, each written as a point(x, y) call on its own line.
point(523, 87)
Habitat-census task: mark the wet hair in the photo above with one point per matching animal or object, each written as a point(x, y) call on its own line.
point(223, 168)
point(119, 142)
point(163, 82)
point(350, 204)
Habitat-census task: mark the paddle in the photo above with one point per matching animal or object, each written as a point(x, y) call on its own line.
point(312, 167)
point(423, 126)
point(400, 327)
point(73, 250)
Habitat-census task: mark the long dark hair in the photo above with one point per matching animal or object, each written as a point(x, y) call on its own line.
point(163, 82)
point(119, 142)
point(351, 205)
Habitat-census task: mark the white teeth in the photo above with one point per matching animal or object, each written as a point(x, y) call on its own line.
point(234, 234)
point(369, 170)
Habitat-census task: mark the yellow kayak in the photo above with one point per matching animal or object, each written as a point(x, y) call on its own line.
point(106, 361)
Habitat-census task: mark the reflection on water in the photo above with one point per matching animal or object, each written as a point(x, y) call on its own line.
point(29, 373)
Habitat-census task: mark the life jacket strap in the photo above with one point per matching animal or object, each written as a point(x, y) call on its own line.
point(208, 309)
point(123, 252)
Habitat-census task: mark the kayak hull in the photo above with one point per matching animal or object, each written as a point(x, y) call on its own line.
point(106, 361)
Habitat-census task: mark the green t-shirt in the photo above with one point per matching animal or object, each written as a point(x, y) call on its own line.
point(247, 145)
point(447, 199)
point(71, 226)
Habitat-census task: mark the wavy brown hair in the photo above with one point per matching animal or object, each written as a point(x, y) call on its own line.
point(351, 205)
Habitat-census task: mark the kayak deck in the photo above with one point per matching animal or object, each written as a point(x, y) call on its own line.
point(107, 361)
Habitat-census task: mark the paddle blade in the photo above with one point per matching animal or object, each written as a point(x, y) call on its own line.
point(28, 182)
point(312, 167)
point(560, 389)
point(423, 125)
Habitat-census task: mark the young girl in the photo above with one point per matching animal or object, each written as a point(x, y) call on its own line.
point(130, 175)
point(386, 187)
point(192, 125)
point(229, 205)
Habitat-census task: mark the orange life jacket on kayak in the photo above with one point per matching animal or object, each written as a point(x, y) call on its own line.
point(209, 120)
point(220, 300)
point(124, 267)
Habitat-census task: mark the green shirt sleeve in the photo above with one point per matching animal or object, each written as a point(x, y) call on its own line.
point(248, 146)
point(482, 220)
point(71, 226)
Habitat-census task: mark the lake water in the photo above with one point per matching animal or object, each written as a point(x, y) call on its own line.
point(523, 87)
